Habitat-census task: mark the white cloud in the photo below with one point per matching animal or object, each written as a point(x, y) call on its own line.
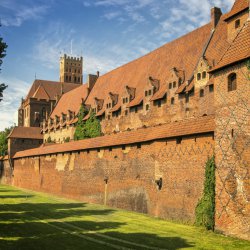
point(112, 15)
point(16, 12)
point(11, 100)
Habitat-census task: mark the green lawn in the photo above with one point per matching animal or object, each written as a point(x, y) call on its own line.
point(30, 220)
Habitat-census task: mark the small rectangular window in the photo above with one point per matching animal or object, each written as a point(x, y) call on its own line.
point(178, 140)
point(149, 92)
point(201, 92)
point(211, 88)
point(174, 84)
point(170, 85)
point(159, 103)
point(146, 93)
point(172, 101)
point(237, 23)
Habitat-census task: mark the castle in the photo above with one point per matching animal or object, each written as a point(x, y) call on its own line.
point(162, 116)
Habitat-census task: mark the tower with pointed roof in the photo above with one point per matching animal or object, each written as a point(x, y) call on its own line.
point(71, 69)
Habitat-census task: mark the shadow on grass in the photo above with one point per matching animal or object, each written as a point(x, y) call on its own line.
point(21, 196)
point(30, 211)
point(33, 226)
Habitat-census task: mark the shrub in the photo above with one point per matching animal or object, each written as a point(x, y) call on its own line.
point(205, 208)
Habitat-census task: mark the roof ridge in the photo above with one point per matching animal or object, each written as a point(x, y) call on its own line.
point(156, 49)
point(231, 44)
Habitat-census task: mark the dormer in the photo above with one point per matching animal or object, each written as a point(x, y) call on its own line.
point(201, 76)
point(98, 104)
point(130, 92)
point(236, 18)
point(112, 100)
point(176, 79)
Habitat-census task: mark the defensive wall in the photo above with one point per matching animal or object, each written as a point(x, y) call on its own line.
point(158, 170)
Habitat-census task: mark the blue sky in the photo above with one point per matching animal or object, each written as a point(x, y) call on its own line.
point(108, 33)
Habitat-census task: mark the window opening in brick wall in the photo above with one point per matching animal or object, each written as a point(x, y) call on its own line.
point(232, 82)
point(198, 76)
point(211, 88)
point(178, 140)
point(172, 101)
point(237, 23)
point(204, 74)
point(201, 92)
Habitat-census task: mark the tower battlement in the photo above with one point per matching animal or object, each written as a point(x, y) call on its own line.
point(71, 69)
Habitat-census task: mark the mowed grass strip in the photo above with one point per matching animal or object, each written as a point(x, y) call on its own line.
point(31, 220)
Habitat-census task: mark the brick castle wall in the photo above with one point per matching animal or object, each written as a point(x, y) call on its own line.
point(232, 151)
point(5, 172)
point(130, 172)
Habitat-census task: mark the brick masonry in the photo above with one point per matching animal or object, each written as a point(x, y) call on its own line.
point(232, 147)
point(131, 173)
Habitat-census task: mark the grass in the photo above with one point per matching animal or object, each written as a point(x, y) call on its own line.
point(31, 220)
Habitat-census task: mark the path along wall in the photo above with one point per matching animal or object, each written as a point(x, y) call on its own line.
point(125, 176)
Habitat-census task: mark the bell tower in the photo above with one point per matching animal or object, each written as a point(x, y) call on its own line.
point(71, 69)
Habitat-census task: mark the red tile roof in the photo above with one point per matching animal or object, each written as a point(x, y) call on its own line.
point(182, 53)
point(137, 101)
point(199, 125)
point(26, 133)
point(41, 93)
point(239, 6)
point(51, 88)
point(72, 101)
point(238, 50)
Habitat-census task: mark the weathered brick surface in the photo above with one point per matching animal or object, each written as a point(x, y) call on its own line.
point(131, 174)
point(232, 149)
point(5, 172)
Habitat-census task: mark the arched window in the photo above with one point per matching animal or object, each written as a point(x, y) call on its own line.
point(198, 76)
point(232, 82)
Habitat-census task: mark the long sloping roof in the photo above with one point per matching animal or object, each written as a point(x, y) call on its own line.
point(26, 133)
point(239, 6)
point(193, 126)
point(51, 88)
point(71, 101)
point(238, 50)
point(182, 53)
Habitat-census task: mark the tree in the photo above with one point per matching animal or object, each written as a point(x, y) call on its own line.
point(80, 132)
point(87, 129)
point(92, 126)
point(3, 47)
point(4, 141)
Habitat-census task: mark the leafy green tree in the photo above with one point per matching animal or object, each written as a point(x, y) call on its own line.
point(87, 129)
point(92, 126)
point(3, 47)
point(4, 141)
point(80, 128)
